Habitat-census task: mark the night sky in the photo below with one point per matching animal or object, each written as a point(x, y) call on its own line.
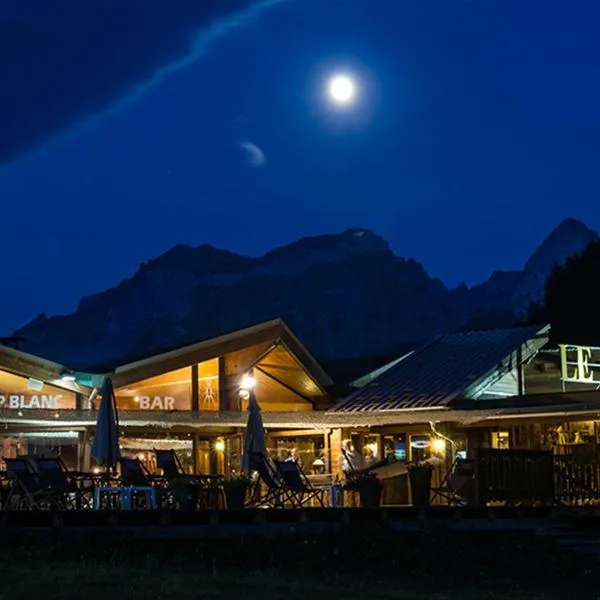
point(475, 131)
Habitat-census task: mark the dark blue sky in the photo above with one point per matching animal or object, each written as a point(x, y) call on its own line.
point(476, 131)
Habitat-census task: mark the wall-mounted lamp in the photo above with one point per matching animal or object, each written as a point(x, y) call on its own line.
point(35, 384)
point(220, 445)
point(248, 382)
point(68, 376)
point(438, 444)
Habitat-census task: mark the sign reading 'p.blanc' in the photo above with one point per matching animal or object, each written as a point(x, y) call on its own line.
point(18, 401)
point(580, 364)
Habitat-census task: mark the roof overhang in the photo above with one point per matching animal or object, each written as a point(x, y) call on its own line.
point(275, 331)
point(558, 406)
point(27, 365)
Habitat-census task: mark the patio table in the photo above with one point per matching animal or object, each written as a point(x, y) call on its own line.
point(126, 495)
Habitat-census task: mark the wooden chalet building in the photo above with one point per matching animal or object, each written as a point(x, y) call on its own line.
point(499, 389)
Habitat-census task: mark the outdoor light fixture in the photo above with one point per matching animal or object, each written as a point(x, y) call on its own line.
point(220, 445)
point(35, 384)
point(248, 382)
point(68, 376)
point(438, 444)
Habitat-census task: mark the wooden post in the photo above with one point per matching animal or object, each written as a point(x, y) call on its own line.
point(195, 391)
point(476, 479)
point(223, 385)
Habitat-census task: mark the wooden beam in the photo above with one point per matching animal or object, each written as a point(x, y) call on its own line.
point(195, 391)
point(285, 385)
point(223, 387)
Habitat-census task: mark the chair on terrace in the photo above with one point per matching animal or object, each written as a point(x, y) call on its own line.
point(74, 491)
point(136, 475)
point(295, 480)
point(190, 491)
point(28, 488)
point(277, 493)
point(453, 486)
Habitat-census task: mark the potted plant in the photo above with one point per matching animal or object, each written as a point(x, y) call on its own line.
point(419, 475)
point(235, 491)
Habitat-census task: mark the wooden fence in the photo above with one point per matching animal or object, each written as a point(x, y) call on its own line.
point(514, 477)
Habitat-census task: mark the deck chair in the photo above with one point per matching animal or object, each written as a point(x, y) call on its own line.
point(295, 480)
point(74, 493)
point(29, 489)
point(135, 474)
point(277, 494)
point(452, 487)
point(190, 491)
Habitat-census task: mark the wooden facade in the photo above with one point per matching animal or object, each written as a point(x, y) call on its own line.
point(189, 399)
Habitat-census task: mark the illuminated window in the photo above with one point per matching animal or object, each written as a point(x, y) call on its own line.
point(208, 385)
point(500, 440)
point(17, 393)
point(169, 391)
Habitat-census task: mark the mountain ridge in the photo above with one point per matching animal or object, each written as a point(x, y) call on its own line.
point(345, 295)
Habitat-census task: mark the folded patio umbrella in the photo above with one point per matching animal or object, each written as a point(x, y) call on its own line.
point(254, 436)
point(105, 448)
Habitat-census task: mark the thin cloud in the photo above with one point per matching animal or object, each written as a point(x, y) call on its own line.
point(254, 155)
point(83, 59)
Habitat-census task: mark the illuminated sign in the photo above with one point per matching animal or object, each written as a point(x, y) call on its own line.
point(17, 401)
point(580, 364)
point(155, 402)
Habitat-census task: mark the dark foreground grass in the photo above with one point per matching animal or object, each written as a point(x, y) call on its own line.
point(356, 565)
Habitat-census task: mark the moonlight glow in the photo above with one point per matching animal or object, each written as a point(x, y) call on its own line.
point(342, 89)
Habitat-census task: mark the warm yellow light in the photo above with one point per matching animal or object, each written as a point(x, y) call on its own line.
point(438, 444)
point(220, 445)
point(248, 382)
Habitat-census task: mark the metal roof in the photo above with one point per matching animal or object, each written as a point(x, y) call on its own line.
point(444, 369)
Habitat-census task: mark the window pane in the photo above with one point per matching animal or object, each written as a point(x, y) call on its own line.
point(169, 391)
point(16, 393)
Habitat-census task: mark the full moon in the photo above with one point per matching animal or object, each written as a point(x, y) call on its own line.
point(342, 89)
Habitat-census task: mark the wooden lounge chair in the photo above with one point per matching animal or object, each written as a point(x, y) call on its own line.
point(453, 486)
point(135, 474)
point(277, 494)
point(190, 491)
point(74, 492)
point(295, 480)
point(29, 489)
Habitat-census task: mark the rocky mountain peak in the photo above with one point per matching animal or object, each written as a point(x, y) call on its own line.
point(345, 295)
point(569, 237)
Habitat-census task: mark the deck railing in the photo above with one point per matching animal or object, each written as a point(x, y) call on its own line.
point(513, 477)
point(577, 478)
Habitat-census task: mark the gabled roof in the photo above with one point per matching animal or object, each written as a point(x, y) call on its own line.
point(275, 331)
point(445, 369)
point(27, 365)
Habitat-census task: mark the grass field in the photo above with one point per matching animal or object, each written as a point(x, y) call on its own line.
point(359, 565)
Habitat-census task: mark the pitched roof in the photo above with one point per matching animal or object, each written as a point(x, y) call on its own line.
point(28, 365)
point(445, 369)
point(270, 331)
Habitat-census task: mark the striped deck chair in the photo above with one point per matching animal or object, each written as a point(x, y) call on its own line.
point(295, 480)
point(190, 491)
point(277, 494)
point(453, 487)
point(74, 493)
point(29, 489)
